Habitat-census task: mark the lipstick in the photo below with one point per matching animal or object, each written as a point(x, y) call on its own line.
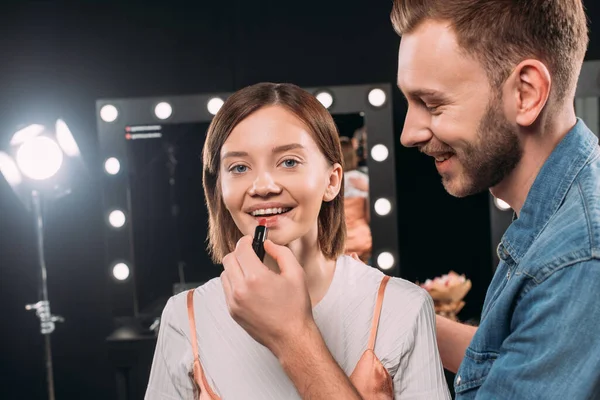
point(260, 235)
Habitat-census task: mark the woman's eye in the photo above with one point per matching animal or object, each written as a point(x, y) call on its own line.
point(290, 163)
point(238, 169)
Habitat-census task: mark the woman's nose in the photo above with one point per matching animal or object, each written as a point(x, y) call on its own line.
point(264, 185)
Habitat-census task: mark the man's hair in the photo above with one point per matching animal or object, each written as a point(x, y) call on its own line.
point(223, 234)
point(502, 33)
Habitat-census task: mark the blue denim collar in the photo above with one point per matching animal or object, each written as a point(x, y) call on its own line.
point(549, 189)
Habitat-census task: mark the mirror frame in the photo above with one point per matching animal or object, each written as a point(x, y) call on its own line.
point(139, 112)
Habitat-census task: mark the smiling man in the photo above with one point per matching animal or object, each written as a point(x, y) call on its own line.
point(490, 87)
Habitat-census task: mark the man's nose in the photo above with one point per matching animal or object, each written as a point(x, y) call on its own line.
point(416, 131)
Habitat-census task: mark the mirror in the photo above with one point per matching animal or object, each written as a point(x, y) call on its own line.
point(151, 150)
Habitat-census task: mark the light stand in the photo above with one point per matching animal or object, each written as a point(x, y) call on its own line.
point(42, 307)
point(37, 169)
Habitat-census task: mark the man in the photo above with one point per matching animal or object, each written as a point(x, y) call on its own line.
point(490, 88)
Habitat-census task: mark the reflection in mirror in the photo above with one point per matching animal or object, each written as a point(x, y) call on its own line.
point(353, 138)
point(168, 209)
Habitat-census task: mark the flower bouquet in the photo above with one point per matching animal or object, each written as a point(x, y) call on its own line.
point(448, 292)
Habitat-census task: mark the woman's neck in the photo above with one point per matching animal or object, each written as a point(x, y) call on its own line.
point(318, 269)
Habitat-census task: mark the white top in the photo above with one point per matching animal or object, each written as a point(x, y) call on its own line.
point(349, 189)
point(237, 367)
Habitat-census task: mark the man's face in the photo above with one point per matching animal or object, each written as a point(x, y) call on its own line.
point(453, 113)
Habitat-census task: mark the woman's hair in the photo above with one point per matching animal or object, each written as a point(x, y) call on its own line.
point(502, 33)
point(223, 234)
point(349, 153)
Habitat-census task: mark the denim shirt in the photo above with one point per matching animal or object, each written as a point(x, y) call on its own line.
point(539, 336)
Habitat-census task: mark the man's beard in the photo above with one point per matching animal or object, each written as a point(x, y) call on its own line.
point(488, 162)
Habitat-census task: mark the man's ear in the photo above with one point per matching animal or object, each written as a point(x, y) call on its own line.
point(531, 85)
point(335, 182)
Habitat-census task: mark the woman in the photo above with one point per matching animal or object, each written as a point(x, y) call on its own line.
point(273, 152)
point(356, 204)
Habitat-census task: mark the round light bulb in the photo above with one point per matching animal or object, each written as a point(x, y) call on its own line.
point(163, 110)
point(39, 158)
point(112, 166)
point(385, 260)
point(377, 97)
point(383, 206)
point(121, 271)
point(379, 152)
point(117, 218)
point(214, 105)
point(501, 204)
point(325, 98)
point(109, 113)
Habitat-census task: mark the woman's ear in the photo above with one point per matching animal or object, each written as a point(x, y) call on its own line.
point(334, 183)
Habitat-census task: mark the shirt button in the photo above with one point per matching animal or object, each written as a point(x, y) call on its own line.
point(458, 380)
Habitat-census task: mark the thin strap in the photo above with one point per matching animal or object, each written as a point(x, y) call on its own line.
point(198, 372)
point(377, 312)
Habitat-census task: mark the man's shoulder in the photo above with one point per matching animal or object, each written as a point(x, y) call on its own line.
point(572, 235)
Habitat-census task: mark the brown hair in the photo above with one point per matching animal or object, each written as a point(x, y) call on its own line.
point(349, 153)
point(502, 33)
point(223, 234)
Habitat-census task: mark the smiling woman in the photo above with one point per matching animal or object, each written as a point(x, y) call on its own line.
point(273, 153)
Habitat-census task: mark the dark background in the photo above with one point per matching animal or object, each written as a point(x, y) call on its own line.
point(58, 58)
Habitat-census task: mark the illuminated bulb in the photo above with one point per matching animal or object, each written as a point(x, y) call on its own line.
point(379, 152)
point(163, 110)
point(383, 206)
point(377, 97)
point(109, 113)
point(501, 204)
point(214, 105)
point(385, 260)
point(112, 166)
point(117, 218)
point(325, 98)
point(121, 271)
point(39, 158)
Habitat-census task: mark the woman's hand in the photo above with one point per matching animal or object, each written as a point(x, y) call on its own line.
point(274, 309)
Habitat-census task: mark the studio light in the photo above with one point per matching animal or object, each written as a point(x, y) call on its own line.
point(116, 218)
point(501, 204)
point(377, 97)
point(385, 260)
point(325, 98)
point(109, 113)
point(43, 163)
point(39, 158)
point(214, 105)
point(163, 110)
point(382, 206)
point(379, 152)
point(120, 271)
point(112, 166)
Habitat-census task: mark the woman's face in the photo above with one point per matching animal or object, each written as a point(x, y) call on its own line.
point(272, 169)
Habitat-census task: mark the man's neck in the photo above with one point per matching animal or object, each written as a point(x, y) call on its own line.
point(537, 147)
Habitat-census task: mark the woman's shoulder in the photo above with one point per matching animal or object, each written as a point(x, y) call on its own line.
point(210, 294)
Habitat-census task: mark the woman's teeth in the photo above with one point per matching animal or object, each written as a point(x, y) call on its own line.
point(270, 211)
